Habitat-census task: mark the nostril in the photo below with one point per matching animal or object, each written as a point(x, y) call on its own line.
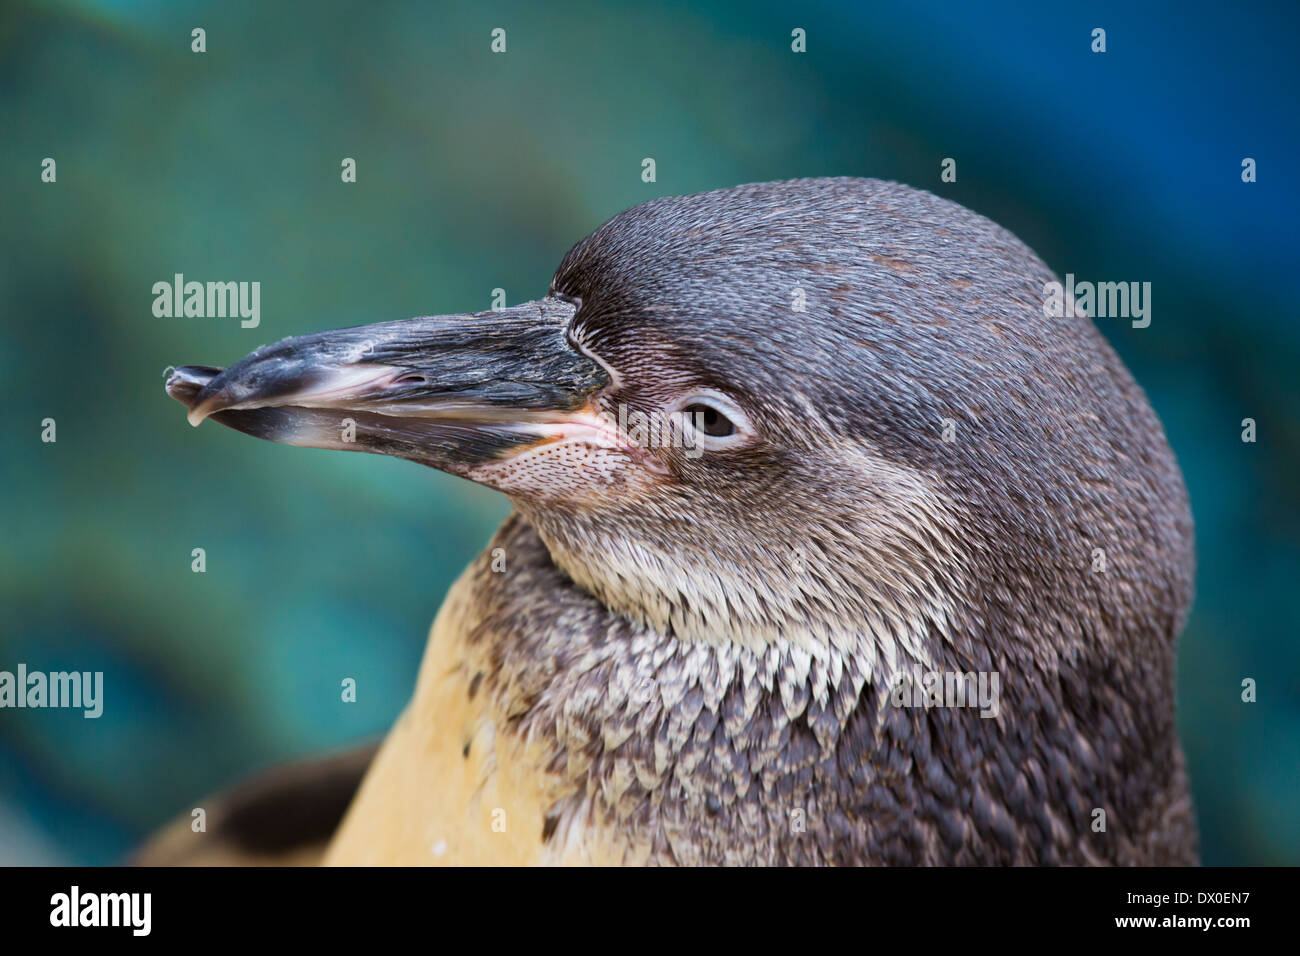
point(410, 378)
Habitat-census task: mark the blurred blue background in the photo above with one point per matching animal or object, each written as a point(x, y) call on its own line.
point(478, 171)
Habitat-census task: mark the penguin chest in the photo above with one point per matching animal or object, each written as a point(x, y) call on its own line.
point(452, 784)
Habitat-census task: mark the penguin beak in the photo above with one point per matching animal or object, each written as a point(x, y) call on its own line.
point(451, 391)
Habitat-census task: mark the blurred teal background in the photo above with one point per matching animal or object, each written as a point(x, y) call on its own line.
point(478, 171)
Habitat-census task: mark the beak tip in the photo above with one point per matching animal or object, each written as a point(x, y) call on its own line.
point(186, 384)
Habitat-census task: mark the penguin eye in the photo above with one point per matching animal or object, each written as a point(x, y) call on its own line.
point(715, 420)
point(710, 420)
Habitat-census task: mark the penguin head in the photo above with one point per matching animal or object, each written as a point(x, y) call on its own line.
point(825, 414)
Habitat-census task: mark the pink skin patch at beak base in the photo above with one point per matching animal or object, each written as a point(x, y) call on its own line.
point(580, 456)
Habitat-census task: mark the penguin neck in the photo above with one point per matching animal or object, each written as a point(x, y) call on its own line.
point(826, 604)
point(732, 748)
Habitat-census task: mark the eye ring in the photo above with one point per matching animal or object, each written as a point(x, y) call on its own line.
point(714, 420)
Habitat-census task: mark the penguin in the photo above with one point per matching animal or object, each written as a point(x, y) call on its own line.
point(829, 546)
